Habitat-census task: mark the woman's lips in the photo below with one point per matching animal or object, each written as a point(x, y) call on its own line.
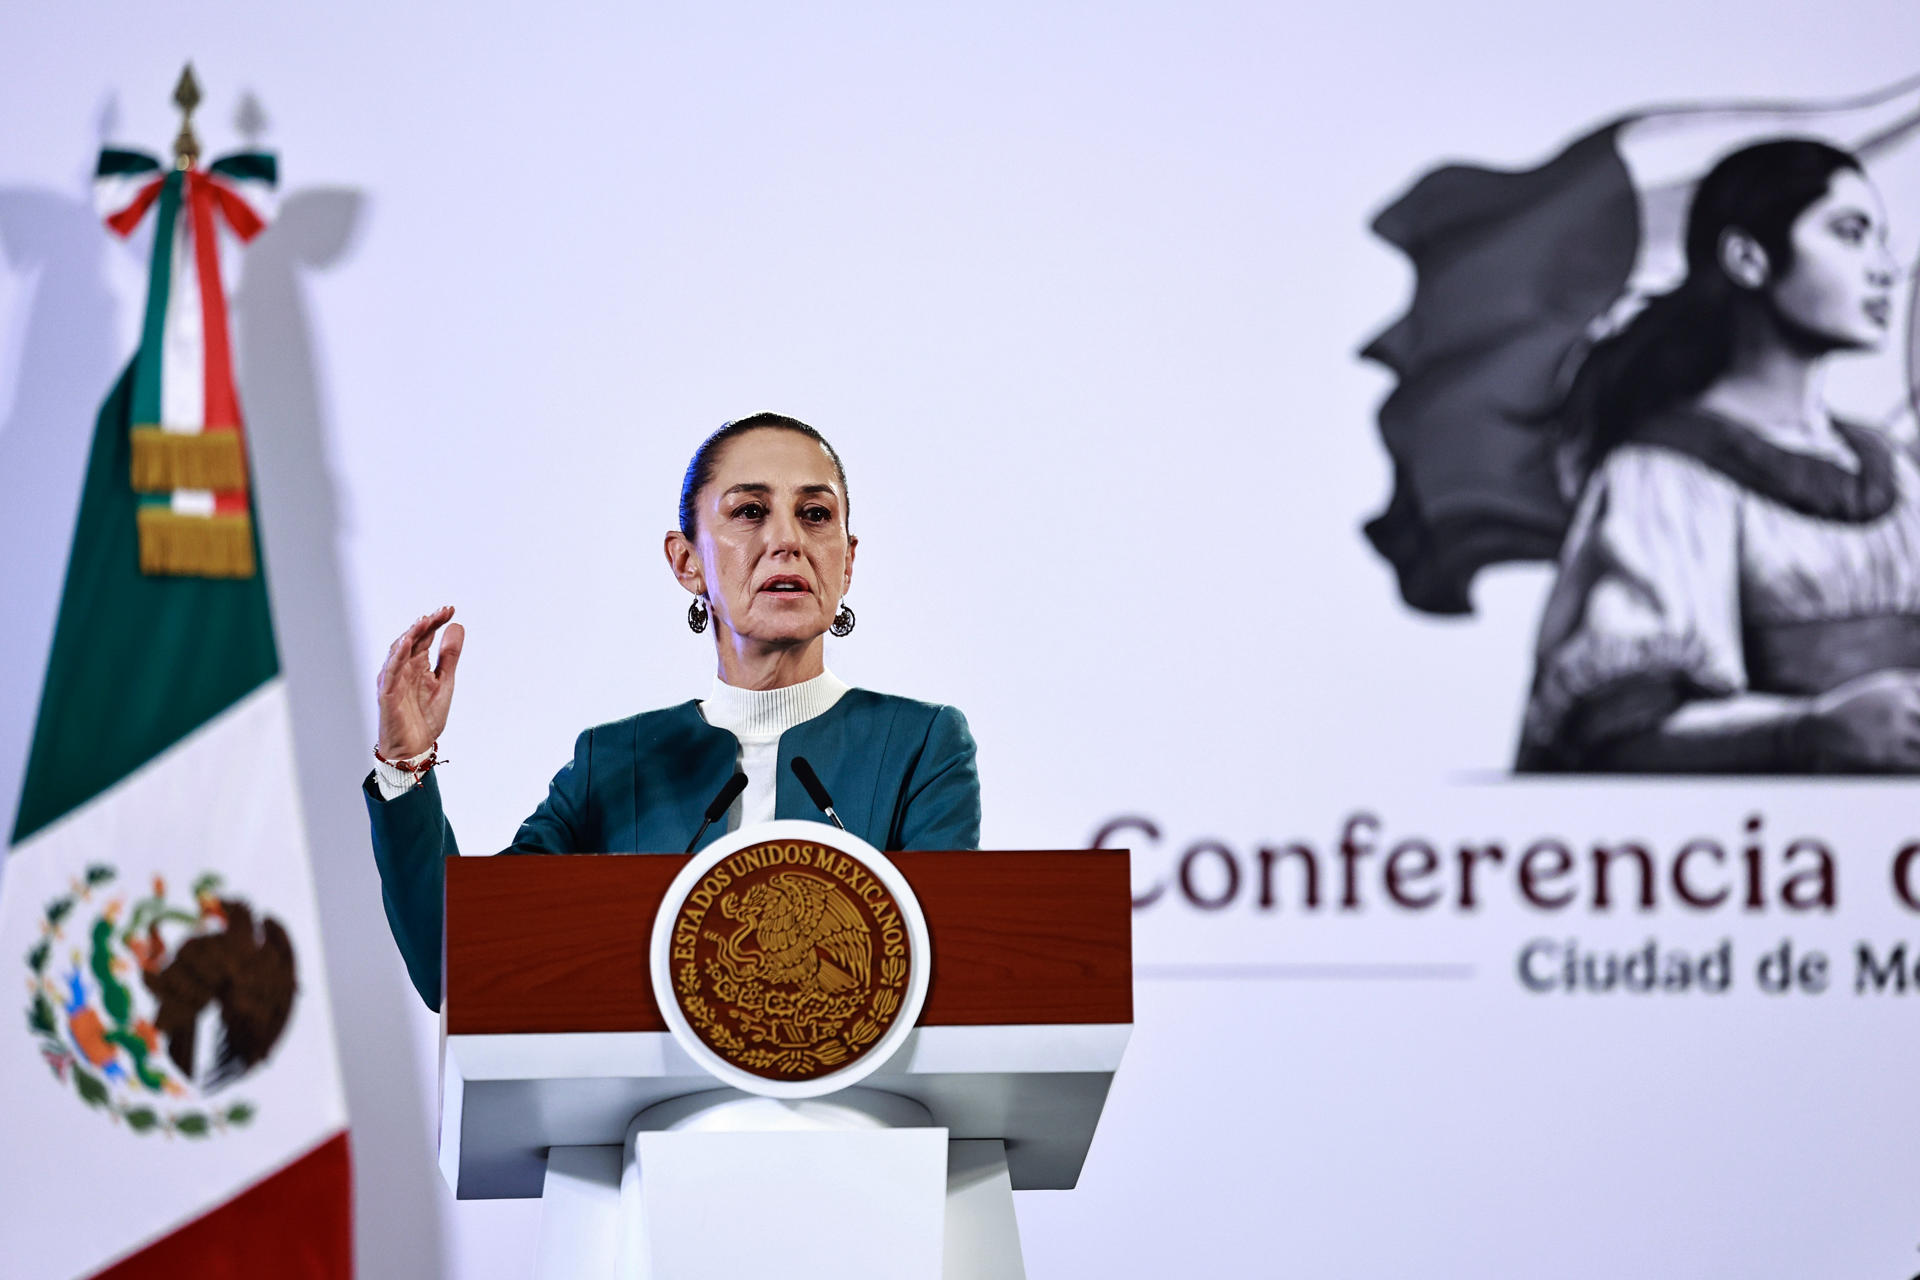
point(1879, 310)
point(786, 586)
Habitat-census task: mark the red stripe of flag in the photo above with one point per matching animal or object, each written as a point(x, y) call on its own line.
point(123, 222)
point(239, 214)
point(296, 1223)
point(222, 405)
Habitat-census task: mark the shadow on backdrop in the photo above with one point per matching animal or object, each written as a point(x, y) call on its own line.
point(397, 1225)
point(66, 363)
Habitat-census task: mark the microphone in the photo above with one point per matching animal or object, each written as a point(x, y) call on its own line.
point(721, 803)
point(811, 781)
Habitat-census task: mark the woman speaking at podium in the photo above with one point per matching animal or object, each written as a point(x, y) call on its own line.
point(763, 546)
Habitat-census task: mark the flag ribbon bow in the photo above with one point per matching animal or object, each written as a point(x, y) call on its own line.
point(188, 459)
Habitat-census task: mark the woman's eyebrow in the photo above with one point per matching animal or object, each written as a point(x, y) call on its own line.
point(761, 486)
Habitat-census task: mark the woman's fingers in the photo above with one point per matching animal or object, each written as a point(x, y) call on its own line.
point(420, 634)
point(450, 646)
point(398, 654)
point(412, 646)
point(418, 638)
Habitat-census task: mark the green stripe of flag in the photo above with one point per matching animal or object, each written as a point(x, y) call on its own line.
point(114, 162)
point(248, 166)
point(138, 662)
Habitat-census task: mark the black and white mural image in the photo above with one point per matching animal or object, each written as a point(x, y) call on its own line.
point(1676, 361)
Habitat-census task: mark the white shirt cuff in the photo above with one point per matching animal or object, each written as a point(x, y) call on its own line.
point(397, 782)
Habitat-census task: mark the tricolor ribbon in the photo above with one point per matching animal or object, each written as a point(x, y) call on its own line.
point(188, 461)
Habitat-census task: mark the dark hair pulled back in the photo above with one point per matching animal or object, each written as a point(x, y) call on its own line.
point(707, 457)
point(1682, 341)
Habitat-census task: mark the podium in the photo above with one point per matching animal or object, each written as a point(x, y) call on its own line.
point(560, 1077)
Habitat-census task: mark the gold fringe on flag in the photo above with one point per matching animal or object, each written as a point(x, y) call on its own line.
point(168, 460)
point(186, 546)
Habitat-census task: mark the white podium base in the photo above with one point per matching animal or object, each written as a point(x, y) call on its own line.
point(982, 1237)
point(725, 1184)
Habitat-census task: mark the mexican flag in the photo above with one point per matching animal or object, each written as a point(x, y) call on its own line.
point(172, 1100)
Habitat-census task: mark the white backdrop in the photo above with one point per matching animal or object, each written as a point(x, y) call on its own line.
point(1077, 294)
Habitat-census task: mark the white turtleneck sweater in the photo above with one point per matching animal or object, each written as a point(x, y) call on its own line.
point(757, 717)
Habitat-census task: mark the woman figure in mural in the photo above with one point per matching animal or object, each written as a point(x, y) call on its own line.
point(1739, 590)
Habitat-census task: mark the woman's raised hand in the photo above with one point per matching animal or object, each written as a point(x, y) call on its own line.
point(414, 694)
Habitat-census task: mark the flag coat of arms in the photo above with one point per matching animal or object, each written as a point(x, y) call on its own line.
point(173, 1103)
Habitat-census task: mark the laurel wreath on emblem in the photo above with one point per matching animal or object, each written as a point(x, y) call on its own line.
point(830, 1051)
point(211, 1001)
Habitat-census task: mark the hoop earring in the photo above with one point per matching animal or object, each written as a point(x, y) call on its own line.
point(842, 622)
point(697, 615)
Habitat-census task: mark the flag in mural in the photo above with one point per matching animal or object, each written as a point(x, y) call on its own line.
point(173, 1098)
point(1517, 274)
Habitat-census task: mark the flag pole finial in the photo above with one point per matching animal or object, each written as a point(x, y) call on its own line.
point(186, 96)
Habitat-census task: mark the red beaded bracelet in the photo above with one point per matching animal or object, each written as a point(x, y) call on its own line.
point(418, 767)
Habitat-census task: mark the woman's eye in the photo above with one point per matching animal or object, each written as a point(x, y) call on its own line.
point(818, 515)
point(749, 511)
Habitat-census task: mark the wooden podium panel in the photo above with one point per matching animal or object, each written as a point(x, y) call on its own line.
point(559, 944)
point(553, 1039)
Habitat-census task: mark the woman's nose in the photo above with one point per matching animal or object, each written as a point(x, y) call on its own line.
point(784, 529)
point(1885, 269)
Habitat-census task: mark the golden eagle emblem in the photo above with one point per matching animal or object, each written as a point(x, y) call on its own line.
point(789, 959)
point(804, 933)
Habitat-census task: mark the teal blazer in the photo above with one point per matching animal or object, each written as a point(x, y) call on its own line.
point(901, 775)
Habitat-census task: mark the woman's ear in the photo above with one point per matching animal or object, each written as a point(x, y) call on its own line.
point(1744, 261)
point(846, 579)
point(684, 560)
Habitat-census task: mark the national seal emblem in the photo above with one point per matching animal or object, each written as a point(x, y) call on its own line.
point(793, 953)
